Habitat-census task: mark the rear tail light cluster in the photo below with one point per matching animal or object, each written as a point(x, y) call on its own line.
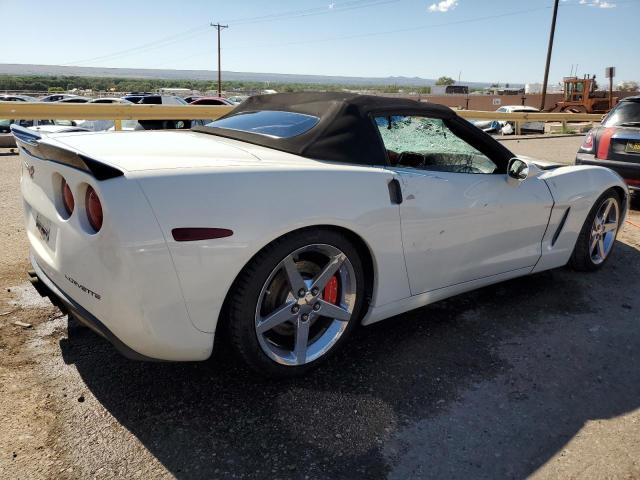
point(92, 205)
point(587, 144)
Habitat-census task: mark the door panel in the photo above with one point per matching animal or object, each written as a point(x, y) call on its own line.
point(459, 227)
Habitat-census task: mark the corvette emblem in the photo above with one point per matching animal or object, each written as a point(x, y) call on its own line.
point(30, 168)
point(89, 292)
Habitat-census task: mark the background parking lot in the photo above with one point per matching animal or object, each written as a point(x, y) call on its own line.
point(536, 376)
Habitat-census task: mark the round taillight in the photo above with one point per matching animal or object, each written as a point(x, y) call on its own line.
point(94, 209)
point(587, 144)
point(67, 198)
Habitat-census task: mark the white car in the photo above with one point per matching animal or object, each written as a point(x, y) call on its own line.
point(294, 219)
point(237, 99)
point(102, 125)
point(505, 127)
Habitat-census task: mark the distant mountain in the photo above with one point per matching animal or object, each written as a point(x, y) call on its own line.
point(48, 70)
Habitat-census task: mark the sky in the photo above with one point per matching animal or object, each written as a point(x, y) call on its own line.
point(476, 40)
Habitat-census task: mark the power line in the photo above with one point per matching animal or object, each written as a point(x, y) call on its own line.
point(343, 6)
point(369, 34)
point(386, 32)
point(334, 8)
point(161, 42)
point(200, 30)
point(399, 30)
point(417, 28)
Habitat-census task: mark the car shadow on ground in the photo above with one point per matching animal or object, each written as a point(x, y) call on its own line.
point(489, 384)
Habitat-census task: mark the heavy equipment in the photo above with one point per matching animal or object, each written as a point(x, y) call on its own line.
point(581, 95)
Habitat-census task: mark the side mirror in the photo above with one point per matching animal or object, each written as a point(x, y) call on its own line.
point(520, 169)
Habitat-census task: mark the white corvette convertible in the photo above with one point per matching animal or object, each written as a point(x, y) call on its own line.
point(294, 219)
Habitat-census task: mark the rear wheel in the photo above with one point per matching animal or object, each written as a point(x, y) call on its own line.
point(296, 302)
point(598, 234)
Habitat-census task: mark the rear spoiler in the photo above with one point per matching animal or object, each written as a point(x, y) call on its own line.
point(31, 142)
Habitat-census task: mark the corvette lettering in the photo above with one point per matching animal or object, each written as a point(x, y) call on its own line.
point(95, 295)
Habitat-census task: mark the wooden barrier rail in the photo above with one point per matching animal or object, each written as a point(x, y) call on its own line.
point(531, 116)
point(109, 111)
point(119, 112)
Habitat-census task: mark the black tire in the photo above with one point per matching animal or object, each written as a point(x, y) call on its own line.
point(581, 258)
point(242, 302)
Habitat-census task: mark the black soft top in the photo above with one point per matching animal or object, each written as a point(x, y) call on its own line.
point(345, 132)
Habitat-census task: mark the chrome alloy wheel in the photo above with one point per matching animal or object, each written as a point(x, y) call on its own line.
point(305, 304)
point(603, 231)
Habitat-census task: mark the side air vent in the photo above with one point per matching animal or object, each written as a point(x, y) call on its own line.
point(560, 227)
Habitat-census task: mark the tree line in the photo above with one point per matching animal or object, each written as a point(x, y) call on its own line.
point(36, 83)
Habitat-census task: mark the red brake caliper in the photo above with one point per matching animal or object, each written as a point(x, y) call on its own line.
point(330, 292)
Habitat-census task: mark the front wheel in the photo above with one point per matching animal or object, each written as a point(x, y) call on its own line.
point(296, 302)
point(598, 234)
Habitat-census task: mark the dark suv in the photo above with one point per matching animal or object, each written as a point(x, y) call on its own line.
point(145, 98)
point(616, 142)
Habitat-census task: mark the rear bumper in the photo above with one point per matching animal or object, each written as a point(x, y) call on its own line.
point(46, 288)
point(628, 171)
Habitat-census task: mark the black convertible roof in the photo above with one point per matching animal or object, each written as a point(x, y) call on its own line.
point(345, 132)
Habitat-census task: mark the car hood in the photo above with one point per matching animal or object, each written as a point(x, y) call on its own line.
point(543, 164)
point(166, 149)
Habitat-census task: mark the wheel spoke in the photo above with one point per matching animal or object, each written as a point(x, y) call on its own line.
point(277, 317)
point(293, 276)
point(302, 338)
point(610, 227)
point(323, 277)
point(601, 248)
point(594, 244)
point(333, 311)
point(607, 209)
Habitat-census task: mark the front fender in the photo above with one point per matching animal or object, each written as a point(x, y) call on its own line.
point(575, 189)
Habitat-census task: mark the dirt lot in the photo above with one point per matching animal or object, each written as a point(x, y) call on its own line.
point(534, 377)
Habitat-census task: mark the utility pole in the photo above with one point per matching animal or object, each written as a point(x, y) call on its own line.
point(219, 27)
point(546, 70)
point(610, 72)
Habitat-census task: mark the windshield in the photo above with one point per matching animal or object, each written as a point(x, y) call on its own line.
point(623, 113)
point(270, 123)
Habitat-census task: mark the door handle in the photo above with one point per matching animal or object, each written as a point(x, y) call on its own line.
point(395, 192)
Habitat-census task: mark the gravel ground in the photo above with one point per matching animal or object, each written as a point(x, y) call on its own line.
point(534, 377)
point(561, 149)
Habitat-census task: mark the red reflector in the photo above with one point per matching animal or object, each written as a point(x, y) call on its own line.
point(587, 144)
point(193, 234)
point(603, 143)
point(632, 182)
point(94, 209)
